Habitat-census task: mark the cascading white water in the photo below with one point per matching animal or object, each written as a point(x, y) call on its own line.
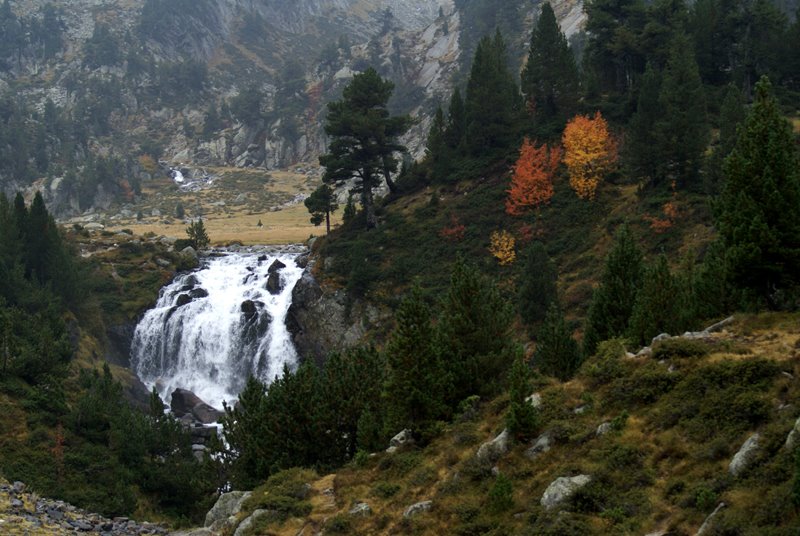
point(212, 329)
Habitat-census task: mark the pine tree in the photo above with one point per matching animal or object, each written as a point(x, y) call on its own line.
point(474, 326)
point(537, 285)
point(198, 235)
point(320, 204)
point(613, 301)
point(758, 212)
point(642, 144)
point(683, 130)
point(731, 115)
point(436, 150)
point(658, 306)
point(492, 103)
point(455, 133)
point(522, 419)
point(364, 138)
point(417, 384)
point(550, 77)
point(557, 353)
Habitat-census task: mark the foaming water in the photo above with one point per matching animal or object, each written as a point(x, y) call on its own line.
point(212, 329)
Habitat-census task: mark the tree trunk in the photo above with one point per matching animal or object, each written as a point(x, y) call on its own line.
point(328, 221)
point(389, 182)
point(369, 207)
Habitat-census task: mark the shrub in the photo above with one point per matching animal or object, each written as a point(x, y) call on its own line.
point(705, 499)
point(501, 496)
point(680, 348)
point(338, 524)
point(384, 490)
point(606, 364)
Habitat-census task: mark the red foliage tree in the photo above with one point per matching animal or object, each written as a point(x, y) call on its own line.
point(532, 180)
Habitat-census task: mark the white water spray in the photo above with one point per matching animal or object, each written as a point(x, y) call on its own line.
point(211, 329)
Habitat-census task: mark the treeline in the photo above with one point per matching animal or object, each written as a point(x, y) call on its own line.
point(437, 363)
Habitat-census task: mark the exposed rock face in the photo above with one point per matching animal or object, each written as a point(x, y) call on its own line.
point(400, 440)
point(562, 489)
point(251, 520)
point(223, 514)
point(540, 445)
point(742, 459)
point(361, 510)
point(183, 401)
point(320, 321)
point(794, 436)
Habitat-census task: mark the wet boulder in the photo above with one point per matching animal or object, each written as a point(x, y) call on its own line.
point(274, 283)
point(206, 414)
point(183, 299)
point(198, 293)
point(182, 402)
point(276, 266)
point(249, 309)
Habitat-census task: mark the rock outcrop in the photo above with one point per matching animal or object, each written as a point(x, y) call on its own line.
point(562, 489)
point(743, 458)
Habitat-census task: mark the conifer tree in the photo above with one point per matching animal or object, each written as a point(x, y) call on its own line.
point(557, 353)
point(658, 306)
point(550, 77)
point(436, 150)
point(474, 326)
point(320, 204)
point(758, 212)
point(731, 115)
point(642, 144)
point(198, 235)
point(522, 419)
point(416, 385)
point(683, 130)
point(537, 285)
point(492, 103)
point(455, 134)
point(613, 301)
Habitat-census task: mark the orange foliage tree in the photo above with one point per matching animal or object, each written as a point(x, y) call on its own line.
point(532, 181)
point(589, 153)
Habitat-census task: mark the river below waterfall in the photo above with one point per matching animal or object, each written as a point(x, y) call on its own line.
point(213, 328)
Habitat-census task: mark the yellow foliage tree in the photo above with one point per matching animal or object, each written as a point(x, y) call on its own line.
point(589, 153)
point(502, 246)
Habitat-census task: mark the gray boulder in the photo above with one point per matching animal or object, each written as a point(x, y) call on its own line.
point(182, 402)
point(562, 489)
point(603, 429)
point(189, 251)
point(540, 445)
point(206, 414)
point(223, 514)
point(361, 509)
point(709, 520)
point(493, 450)
point(400, 440)
point(534, 400)
point(794, 436)
point(742, 459)
point(418, 508)
point(274, 283)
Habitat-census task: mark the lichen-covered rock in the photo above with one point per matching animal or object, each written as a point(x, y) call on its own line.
point(562, 489)
point(418, 508)
point(400, 440)
point(493, 450)
point(249, 521)
point(223, 513)
point(794, 436)
point(741, 460)
point(361, 509)
point(540, 445)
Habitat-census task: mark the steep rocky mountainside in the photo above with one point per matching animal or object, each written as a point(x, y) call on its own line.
point(239, 83)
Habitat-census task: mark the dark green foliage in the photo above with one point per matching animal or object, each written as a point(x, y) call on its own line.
point(522, 419)
point(417, 384)
point(493, 105)
point(537, 285)
point(102, 48)
point(683, 131)
point(246, 106)
point(197, 234)
point(796, 482)
point(320, 204)
point(758, 212)
point(613, 301)
point(679, 348)
point(213, 122)
point(501, 496)
point(643, 147)
point(180, 212)
point(473, 328)
point(550, 77)
point(364, 138)
point(658, 306)
point(557, 353)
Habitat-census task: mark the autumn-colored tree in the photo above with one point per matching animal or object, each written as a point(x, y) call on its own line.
point(532, 181)
point(590, 153)
point(502, 246)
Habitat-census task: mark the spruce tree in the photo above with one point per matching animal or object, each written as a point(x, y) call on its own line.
point(474, 326)
point(493, 104)
point(455, 134)
point(683, 129)
point(522, 419)
point(758, 212)
point(731, 115)
point(320, 204)
point(436, 150)
point(417, 384)
point(658, 306)
point(557, 353)
point(642, 144)
point(198, 235)
point(537, 285)
point(550, 77)
point(613, 301)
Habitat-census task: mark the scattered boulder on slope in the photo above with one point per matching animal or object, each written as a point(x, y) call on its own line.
point(400, 440)
point(493, 450)
point(741, 460)
point(418, 508)
point(562, 489)
point(223, 514)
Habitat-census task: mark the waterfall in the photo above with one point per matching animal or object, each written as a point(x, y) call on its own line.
point(213, 328)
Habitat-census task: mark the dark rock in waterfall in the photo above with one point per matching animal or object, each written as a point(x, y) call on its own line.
point(302, 260)
point(249, 309)
point(182, 300)
point(274, 283)
point(198, 293)
point(262, 258)
point(206, 414)
point(183, 401)
point(276, 266)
